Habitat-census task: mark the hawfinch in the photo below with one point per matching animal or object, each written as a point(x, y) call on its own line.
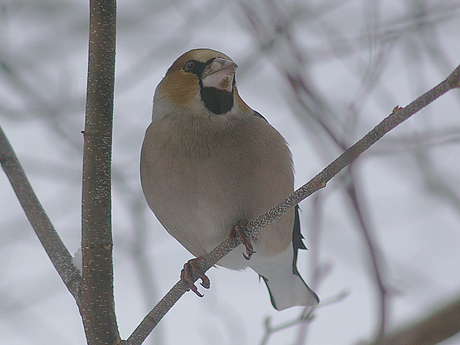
point(209, 163)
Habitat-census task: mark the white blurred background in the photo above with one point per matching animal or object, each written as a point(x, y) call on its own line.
point(323, 73)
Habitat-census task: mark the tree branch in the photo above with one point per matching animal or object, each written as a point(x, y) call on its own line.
point(97, 300)
point(49, 238)
point(398, 116)
point(436, 327)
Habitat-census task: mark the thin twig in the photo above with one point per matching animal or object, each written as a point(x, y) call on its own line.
point(304, 319)
point(398, 116)
point(54, 247)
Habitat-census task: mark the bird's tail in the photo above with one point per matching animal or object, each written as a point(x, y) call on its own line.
point(284, 283)
point(288, 291)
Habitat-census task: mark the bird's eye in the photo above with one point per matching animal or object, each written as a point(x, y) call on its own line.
point(189, 65)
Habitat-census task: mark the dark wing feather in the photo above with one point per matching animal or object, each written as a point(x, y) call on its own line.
point(297, 238)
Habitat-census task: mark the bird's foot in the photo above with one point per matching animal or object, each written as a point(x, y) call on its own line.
point(238, 231)
point(189, 271)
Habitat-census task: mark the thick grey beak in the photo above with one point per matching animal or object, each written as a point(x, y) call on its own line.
point(219, 74)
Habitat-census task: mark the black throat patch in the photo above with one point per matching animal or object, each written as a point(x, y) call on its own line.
point(217, 101)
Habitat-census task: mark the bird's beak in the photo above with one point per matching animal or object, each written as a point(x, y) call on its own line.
point(219, 74)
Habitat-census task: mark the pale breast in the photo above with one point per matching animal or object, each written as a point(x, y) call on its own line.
point(205, 177)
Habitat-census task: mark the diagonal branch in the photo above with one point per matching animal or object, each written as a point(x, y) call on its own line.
point(56, 250)
point(398, 116)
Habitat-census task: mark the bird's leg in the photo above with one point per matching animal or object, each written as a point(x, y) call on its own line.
point(190, 270)
point(238, 231)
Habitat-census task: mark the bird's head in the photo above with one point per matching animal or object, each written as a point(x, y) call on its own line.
point(200, 81)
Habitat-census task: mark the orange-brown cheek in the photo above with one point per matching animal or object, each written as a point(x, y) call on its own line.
point(180, 87)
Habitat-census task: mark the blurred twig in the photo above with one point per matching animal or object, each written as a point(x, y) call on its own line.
point(303, 319)
point(375, 258)
point(269, 329)
point(436, 327)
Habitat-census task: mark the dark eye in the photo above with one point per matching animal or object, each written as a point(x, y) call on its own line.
point(189, 65)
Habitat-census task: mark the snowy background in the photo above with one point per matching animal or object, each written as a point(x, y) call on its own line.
point(357, 60)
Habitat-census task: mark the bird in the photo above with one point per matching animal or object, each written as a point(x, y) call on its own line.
point(209, 163)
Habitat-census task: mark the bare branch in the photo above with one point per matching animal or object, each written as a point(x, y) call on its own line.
point(54, 247)
point(398, 116)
